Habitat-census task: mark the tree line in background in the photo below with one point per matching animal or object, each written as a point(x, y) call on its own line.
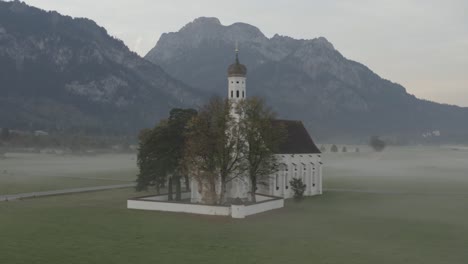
point(375, 142)
point(14, 140)
point(212, 146)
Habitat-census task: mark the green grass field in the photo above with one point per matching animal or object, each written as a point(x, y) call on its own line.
point(428, 223)
point(22, 173)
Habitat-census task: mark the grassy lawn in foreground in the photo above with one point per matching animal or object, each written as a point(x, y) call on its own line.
point(334, 228)
point(428, 224)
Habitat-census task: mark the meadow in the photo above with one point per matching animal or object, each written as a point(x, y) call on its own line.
point(404, 205)
point(27, 172)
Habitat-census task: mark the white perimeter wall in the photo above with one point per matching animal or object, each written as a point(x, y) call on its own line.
point(263, 206)
point(158, 203)
point(179, 207)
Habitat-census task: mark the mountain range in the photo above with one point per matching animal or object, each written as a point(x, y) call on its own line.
point(337, 98)
point(69, 75)
point(63, 74)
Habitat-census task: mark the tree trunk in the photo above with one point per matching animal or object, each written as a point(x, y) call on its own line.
point(158, 188)
point(169, 188)
point(254, 189)
point(187, 183)
point(178, 189)
point(222, 193)
point(212, 193)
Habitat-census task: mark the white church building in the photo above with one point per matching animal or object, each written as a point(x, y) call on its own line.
point(298, 155)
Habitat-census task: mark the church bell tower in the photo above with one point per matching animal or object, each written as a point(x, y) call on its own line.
point(237, 80)
point(239, 187)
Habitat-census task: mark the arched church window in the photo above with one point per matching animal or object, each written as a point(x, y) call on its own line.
point(312, 172)
point(304, 172)
point(237, 93)
point(232, 94)
point(313, 178)
point(237, 82)
point(318, 175)
point(243, 94)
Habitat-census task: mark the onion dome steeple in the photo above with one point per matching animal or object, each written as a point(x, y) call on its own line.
point(237, 69)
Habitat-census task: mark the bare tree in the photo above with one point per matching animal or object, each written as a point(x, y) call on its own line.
point(261, 139)
point(215, 147)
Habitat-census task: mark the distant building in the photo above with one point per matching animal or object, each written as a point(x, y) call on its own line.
point(40, 133)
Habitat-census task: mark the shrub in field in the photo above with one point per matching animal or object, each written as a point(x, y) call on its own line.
point(298, 188)
point(377, 144)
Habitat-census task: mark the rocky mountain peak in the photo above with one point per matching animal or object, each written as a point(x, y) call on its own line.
point(205, 31)
point(201, 24)
point(324, 43)
point(304, 79)
point(18, 6)
point(205, 21)
point(246, 31)
point(211, 28)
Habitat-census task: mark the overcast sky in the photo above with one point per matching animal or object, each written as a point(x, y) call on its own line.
point(422, 45)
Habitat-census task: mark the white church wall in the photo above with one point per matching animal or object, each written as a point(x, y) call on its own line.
point(196, 189)
point(238, 188)
point(305, 166)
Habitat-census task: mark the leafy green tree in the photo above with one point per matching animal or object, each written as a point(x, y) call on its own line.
point(150, 158)
point(161, 152)
point(262, 140)
point(377, 144)
point(178, 129)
